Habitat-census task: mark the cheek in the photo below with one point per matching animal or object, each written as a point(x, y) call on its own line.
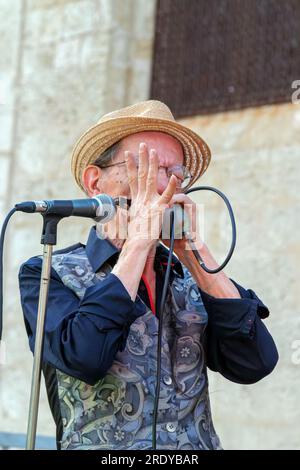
point(116, 184)
point(113, 181)
point(162, 183)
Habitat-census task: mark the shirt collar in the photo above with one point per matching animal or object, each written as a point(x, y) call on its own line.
point(162, 255)
point(99, 250)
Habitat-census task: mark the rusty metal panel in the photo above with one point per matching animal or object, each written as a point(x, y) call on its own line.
point(217, 55)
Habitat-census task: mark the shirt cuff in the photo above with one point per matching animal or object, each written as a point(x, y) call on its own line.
point(231, 316)
point(262, 309)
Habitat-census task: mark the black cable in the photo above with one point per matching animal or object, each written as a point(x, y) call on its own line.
point(233, 228)
point(160, 324)
point(166, 282)
point(1, 265)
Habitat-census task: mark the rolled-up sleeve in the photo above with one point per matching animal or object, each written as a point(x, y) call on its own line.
point(239, 346)
point(82, 336)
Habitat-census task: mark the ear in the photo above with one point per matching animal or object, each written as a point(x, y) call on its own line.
point(92, 180)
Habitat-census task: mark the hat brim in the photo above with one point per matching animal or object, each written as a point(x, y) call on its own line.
point(103, 135)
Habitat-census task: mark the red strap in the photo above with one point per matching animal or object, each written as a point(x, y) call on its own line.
point(152, 306)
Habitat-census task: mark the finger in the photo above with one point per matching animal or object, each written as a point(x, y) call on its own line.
point(177, 199)
point(193, 214)
point(166, 196)
point(132, 174)
point(190, 209)
point(151, 184)
point(143, 168)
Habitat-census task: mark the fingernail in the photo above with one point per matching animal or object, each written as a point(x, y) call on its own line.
point(142, 145)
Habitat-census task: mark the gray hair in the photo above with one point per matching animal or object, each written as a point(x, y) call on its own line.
point(107, 156)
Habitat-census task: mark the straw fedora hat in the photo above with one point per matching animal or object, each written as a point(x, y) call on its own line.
point(149, 115)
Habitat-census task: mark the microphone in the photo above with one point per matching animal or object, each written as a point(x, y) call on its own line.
point(101, 207)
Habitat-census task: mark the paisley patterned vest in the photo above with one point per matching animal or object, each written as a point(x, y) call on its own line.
point(117, 412)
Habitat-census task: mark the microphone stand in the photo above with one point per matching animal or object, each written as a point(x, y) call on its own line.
point(48, 239)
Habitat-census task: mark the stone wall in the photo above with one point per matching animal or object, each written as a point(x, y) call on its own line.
point(256, 163)
point(65, 63)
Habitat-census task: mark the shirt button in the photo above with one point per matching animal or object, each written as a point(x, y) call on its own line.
point(167, 380)
point(171, 427)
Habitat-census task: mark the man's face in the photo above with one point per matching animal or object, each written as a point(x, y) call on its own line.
point(114, 180)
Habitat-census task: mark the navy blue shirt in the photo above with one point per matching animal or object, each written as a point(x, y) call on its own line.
point(83, 336)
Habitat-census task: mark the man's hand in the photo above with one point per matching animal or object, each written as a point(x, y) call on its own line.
point(181, 246)
point(217, 285)
point(147, 205)
point(142, 222)
point(145, 217)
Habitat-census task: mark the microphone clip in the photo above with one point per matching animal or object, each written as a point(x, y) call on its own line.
point(49, 231)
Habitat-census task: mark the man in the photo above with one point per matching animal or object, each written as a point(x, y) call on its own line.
point(101, 334)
